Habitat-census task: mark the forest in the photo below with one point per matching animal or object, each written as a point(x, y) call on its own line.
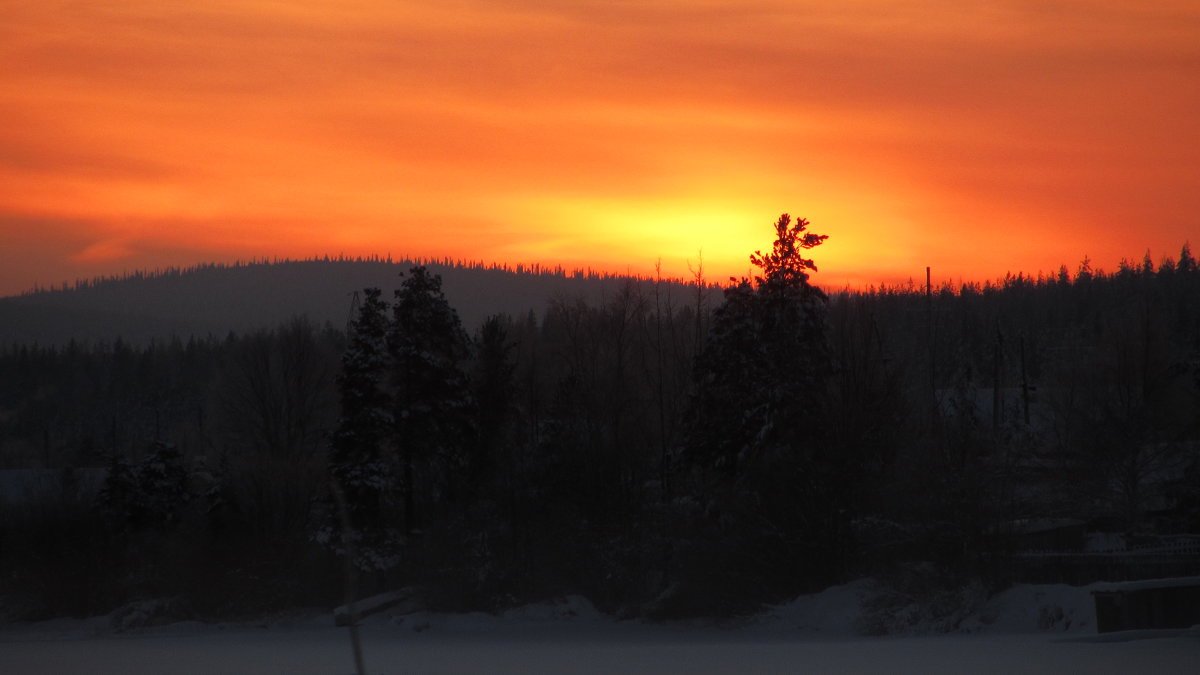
point(662, 451)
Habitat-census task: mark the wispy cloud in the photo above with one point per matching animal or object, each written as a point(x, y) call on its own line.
point(977, 139)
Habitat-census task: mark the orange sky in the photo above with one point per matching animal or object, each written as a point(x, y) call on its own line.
point(974, 137)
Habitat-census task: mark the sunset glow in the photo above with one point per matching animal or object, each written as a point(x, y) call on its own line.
point(975, 139)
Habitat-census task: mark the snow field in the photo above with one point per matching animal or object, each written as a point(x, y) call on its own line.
point(1027, 629)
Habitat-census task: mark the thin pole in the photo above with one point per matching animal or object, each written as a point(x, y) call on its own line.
point(929, 334)
point(351, 577)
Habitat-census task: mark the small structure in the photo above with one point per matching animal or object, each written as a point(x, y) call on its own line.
point(1048, 534)
point(1148, 604)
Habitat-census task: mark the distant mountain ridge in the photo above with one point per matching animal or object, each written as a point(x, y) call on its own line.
point(216, 299)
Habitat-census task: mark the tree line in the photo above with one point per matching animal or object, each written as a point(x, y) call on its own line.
point(664, 454)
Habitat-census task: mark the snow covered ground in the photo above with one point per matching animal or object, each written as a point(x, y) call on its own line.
point(1028, 629)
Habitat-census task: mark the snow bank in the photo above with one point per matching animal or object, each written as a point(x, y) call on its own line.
point(1027, 608)
point(864, 606)
point(570, 608)
point(835, 611)
point(1024, 629)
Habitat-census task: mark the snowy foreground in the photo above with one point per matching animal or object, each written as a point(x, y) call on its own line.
point(1028, 629)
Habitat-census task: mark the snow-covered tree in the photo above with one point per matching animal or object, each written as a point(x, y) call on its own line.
point(151, 494)
point(362, 462)
point(431, 398)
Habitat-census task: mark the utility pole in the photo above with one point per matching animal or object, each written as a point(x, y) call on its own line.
point(353, 316)
point(1024, 383)
point(997, 367)
point(929, 336)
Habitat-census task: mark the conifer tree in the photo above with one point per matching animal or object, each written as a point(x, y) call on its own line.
point(493, 390)
point(761, 376)
point(1186, 262)
point(151, 494)
point(757, 420)
point(432, 402)
point(726, 409)
point(362, 463)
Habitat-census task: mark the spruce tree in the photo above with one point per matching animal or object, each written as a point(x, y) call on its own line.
point(765, 474)
point(151, 494)
point(761, 376)
point(1186, 262)
point(432, 403)
point(725, 412)
point(362, 463)
point(493, 390)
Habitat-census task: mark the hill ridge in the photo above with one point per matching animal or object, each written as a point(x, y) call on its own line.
point(216, 298)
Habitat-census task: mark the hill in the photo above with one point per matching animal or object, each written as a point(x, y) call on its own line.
point(216, 299)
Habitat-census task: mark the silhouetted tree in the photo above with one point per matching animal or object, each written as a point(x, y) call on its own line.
point(761, 377)
point(150, 494)
point(362, 461)
point(757, 419)
point(1186, 262)
point(431, 400)
point(279, 411)
point(493, 387)
point(277, 396)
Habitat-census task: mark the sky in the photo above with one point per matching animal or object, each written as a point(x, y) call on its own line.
point(977, 138)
